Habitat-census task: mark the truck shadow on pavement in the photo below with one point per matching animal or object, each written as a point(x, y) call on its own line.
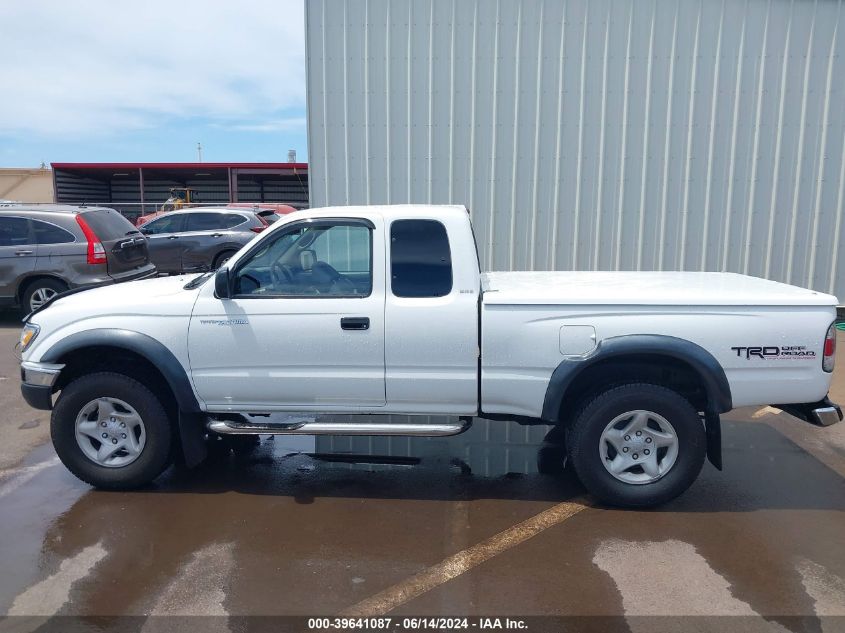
point(763, 470)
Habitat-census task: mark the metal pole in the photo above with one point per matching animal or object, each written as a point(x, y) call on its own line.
point(141, 186)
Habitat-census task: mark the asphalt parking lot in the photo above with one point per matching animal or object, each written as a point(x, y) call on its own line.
point(448, 526)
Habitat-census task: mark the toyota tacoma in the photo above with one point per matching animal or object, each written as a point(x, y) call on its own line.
point(383, 310)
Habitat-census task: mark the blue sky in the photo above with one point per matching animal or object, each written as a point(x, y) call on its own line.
point(98, 80)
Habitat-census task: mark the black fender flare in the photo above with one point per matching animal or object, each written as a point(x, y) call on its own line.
point(191, 430)
point(702, 362)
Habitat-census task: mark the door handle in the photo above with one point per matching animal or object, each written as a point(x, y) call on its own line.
point(22, 253)
point(216, 235)
point(355, 323)
point(173, 237)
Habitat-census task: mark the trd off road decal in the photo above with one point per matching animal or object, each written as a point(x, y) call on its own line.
point(773, 352)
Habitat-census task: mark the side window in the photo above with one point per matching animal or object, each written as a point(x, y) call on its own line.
point(231, 220)
point(420, 259)
point(331, 260)
point(166, 224)
point(203, 221)
point(46, 233)
point(14, 232)
point(344, 248)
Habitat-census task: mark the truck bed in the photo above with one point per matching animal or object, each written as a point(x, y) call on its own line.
point(643, 288)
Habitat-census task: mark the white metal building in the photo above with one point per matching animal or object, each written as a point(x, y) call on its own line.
point(594, 134)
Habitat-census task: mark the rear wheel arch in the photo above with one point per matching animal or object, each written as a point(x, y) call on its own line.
point(673, 362)
point(26, 282)
point(678, 364)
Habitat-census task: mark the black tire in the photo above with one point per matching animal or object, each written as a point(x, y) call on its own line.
point(584, 441)
point(45, 285)
point(221, 259)
point(156, 454)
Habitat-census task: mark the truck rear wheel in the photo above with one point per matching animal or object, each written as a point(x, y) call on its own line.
point(111, 431)
point(637, 445)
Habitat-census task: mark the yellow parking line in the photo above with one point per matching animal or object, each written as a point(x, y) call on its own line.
point(764, 412)
point(457, 564)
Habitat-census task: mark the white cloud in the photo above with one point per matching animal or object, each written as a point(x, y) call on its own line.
point(272, 125)
point(93, 67)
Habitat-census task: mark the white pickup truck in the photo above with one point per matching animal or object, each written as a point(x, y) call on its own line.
point(382, 310)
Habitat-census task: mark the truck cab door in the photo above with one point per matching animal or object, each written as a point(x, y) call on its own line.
point(431, 312)
point(304, 327)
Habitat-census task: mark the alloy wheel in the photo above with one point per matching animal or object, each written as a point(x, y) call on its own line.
point(638, 447)
point(110, 432)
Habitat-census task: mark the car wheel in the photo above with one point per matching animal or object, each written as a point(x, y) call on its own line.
point(111, 431)
point(637, 445)
point(40, 292)
point(222, 258)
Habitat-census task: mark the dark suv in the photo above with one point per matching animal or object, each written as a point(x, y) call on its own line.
point(200, 239)
point(47, 249)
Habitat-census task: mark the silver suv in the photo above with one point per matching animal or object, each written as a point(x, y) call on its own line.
point(200, 239)
point(47, 249)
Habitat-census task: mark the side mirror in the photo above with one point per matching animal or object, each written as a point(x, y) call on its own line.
point(222, 284)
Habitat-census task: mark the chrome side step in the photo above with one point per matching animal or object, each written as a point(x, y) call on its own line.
point(231, 427)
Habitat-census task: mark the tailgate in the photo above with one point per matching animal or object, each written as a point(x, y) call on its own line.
point(125, 246)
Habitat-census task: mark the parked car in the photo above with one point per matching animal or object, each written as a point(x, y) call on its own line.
point(47, 249)
point(383, 310)
point(260, 208)
point(269, 211)
point(199, 239)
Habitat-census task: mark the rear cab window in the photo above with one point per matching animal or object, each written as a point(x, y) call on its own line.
point(420, 259)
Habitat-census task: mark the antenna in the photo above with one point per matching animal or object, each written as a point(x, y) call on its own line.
point(199, 152)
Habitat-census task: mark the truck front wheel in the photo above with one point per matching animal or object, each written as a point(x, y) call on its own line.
point(637, 445)
point(111, 431)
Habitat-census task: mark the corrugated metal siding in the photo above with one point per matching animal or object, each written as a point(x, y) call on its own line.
point(74, 189)
point(593, 134)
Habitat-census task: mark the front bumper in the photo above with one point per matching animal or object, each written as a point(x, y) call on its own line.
point(821, 413)
point(37, 381)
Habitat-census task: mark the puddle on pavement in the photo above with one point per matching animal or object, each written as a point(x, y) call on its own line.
point(488, 448)
point(315, 515)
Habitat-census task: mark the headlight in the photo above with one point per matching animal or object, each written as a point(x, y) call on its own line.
point(28, 334)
